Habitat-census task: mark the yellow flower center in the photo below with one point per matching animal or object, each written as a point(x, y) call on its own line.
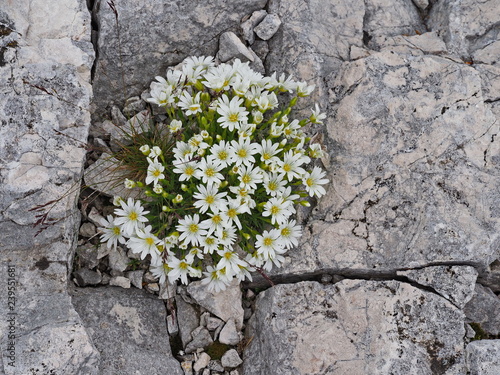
point(275, 210)
point(210, 199)
point(222, 155)
point(246, 179)
point(266, 156)
point(287, 167)
point(285, 232)
point(149, 241)
point(309, 182)
point(209, 172)
point(268, 241)
point(133, 216)
point(228, 255)
point(189, 171)
point(272, 186)
point(117, 231)
point(233, 117)
point(242, 153)
point(193, 228)
point(232, 213)
point(217, 219)
point(183, 265)
point(156, 172)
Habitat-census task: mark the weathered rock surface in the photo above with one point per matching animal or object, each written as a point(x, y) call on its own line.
point(484, 309)
point(411, 183)
point(128, 328)
point(129, 60)
point(45, 65)
point(455, 283)
point(332, 28)
point(225, 304)
point(466, 26)
point(356, 327)
point(483, 357)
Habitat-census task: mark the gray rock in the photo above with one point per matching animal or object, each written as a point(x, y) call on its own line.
point(354, 325)
point(231, 359)
point(201, 339)
point(248, 25)
point(213, 323)
point(86, 277)
point(215, 365)
point(172, 326)
point(167, 290)
point(230, 46)
point(86, 256)
point(455, 283)
point(187, 367)
point(389, 18)
point(113, 182)
point(102, 250)
point(87, 230)
point(202, 361)
point(152, 287)
point(128, 328)
point(230, 335)
point(410, 185)
point(117, 259)
point(234, 372)
point(483, 357)
point(225, 304)
point(466, 26)
point(192, 30)
point(45, 62)
point(120, 281)
point(313, 54)
point(261, 49)
point(122, 135)
point(94, 216)
point(427, 43)
point(266, 29)
point(117, 117)
point(133, 105)
point(421, 4)
point(187, 319)
point(135, 278)
point(105, 279)
point(484, 309)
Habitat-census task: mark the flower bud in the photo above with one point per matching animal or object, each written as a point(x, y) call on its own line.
point(145, 150)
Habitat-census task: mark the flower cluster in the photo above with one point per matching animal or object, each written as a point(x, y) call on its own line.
point(220, 200)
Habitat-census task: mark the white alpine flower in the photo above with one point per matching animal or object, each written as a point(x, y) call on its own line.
point(131, 216)
point(313, 181)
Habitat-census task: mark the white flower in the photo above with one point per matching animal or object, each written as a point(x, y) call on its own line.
point(209, 244)
point(223, 153)
point(182, 150)
point(215, 223)
point(315, 150)
point(161, 93)
point(175, 126)
point(232, 114)
point(209, 171)
point(229, 260)
point(290, 233)
point(267, 150)
point(208, 197)
point(144, 149)
point(145, 243)
point(278, 209)
point(317, 117)
point(250, 176)
point(186, 168)
point(291, 165)
point(129, 184)
point(190, 229)
point(216, 280)
point(220, 77)
point(160, 271)
point(155, 152)
point(155, 172)
point(190, 105)
point(227, 236)
point(131, 216)
point(112, 233)
point(180, 268)
point(244, 151)
point(313, 181)
point(274, 183)
point(117, 200)
point(269, 243)
point(158, 189)
point(231, 212)
point(303, 89)
point(266, 101)
point(291, 130)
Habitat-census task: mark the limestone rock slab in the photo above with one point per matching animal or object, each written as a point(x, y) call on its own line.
point(354, 327)
point(484, 309)
point(466, 26)
point(455, 283)
point(129, 60)
point(128, 328)
point(411, 183)
point(313, 38)
point(483, 357)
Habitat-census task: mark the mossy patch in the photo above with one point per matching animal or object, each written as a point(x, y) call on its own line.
point(217, 350)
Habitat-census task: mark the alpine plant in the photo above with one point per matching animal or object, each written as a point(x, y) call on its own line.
point(219, 198)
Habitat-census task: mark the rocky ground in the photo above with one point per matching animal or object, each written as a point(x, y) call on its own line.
point(398, 270)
